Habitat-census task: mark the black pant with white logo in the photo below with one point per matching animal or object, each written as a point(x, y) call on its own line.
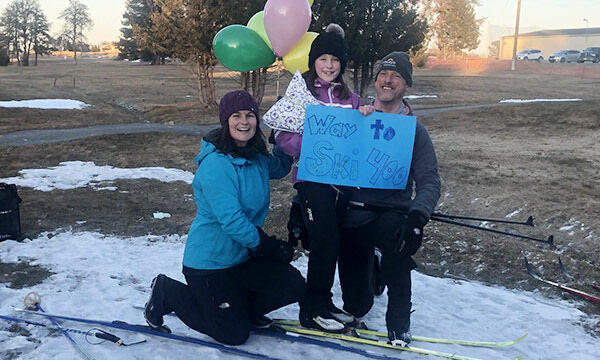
point(322, 205)
point(223, 303)
point(356, 268)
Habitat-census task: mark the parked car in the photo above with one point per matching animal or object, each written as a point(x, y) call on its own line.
point(590, 54)
point(531, 55)
point(564, 56)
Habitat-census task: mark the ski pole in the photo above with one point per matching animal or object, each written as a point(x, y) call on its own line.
point(145, 329)
point(528, 222)
point(437, 217)
point(563, 269)
point(33, 300)
point(100, 334)
point(550, 239)
point(359, 205)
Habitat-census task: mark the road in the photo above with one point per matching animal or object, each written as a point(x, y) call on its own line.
point(34, 137)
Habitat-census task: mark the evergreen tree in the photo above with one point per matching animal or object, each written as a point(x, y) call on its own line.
point(9, 21)
point(186, 28)
point(143, 31)
point(454, 25)
point(373, 29)
point(127, 45)
point(40, 36)
point(4, 43)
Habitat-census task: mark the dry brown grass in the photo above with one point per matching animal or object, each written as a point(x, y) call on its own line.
point(542, 158)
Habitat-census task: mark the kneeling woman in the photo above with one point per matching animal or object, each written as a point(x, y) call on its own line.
point(235, 273)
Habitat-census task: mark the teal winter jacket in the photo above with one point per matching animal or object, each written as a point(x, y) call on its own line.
point(232, 195)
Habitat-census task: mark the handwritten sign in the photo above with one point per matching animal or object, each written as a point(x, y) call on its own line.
point(343, 147)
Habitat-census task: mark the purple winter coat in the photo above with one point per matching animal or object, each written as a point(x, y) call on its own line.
point(328, 95)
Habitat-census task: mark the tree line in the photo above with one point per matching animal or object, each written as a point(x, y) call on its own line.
point(24, 30)
point(154, 30)
point(184, 29)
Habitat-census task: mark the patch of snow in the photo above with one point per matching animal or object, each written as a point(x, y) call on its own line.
point(535, 100)
point(566, 227)
point(513, 213)
point(76, 174)
point(45, 104)
point(161, 215)
point(412, 97)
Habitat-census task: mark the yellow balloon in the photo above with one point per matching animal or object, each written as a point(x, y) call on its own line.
point(257, 23)
point(297, 58)
point(310, 2)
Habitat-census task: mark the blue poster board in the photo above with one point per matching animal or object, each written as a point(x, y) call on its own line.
point(343, 147)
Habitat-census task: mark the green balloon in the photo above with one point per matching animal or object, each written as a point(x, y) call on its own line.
point(257, 23)
point(239, 48)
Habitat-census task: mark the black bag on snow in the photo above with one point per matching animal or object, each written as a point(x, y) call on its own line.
point(10, 220)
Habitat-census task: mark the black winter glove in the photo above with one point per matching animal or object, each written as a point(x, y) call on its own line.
point(297, 232)
point(274, 248)
point(411, 235)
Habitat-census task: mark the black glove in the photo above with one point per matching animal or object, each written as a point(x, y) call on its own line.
point(274, 248)
point(411, 235)
point(297, 232)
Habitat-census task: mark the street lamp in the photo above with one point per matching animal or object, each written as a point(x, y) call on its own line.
point(586, 30)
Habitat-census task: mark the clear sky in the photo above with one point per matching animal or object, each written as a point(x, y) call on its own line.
point(106, 14)
point(543, 14)
point(539, 14)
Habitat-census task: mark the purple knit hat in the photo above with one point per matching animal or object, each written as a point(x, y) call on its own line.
point(235, 101)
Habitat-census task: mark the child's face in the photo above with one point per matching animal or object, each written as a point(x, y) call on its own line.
point(327, 67)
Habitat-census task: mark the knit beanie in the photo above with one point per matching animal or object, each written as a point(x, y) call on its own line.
point(329, 42)
point(235, 101)
point(399, 62)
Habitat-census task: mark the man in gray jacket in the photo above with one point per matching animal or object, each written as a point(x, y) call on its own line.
point(391, 220)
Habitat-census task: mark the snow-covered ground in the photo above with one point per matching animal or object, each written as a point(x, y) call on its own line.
point(102, 277)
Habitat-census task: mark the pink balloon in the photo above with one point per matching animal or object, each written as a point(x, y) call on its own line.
point(286, 21)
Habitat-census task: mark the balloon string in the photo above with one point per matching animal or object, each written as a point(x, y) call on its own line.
point(278, 67)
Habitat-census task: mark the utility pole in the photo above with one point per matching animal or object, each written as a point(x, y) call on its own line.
point(487, 40)
point(586, 29)
point(514, 58)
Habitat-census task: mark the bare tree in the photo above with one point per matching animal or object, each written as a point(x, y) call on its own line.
point(77, 19)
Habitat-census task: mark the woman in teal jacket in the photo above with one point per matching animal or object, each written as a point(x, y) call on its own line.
point(235, 273)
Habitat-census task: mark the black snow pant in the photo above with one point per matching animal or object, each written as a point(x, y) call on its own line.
point(356, 269)
point(322, 206)
point(223, 303)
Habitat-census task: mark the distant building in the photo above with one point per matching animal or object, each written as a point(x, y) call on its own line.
point(550, 41)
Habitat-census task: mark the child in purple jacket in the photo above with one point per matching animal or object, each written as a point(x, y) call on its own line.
point(322, 205)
